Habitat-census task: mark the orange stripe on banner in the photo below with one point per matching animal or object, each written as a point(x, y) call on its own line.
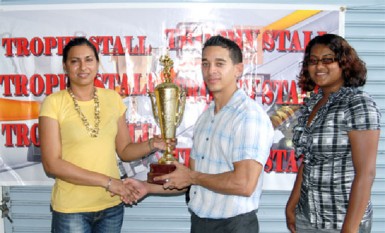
point(18, 110)
point(282, 24)
point(291, 19)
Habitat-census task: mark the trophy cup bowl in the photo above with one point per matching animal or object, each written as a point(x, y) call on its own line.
point(168, 103)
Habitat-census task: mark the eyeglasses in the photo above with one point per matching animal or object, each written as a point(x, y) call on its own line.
point(325, 60)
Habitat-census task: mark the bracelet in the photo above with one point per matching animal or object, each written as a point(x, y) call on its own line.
point(109, 184)
point(150, 145)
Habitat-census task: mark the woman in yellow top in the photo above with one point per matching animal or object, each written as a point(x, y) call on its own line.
point(81, 130)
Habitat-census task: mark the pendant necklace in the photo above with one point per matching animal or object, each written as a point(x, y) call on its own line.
point(92, 131)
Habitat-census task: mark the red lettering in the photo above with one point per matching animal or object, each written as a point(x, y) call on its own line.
point(51, 81)
point(142, 44)
point(268, 94)
point(37, 46)
point(7, 43)
point(268, 42)
point(170, 35)
point(292, 163)
point(282, 161)
point(124, 87)
point(8, 130)
point(106, 41)
point(295, 44)
point(34, 133)
point(20, 84)
point(280, 86)
point(21, 132)
point(50, 43)
point(110, 80)
point(118, 47)
point(37, 85)
point(62, 41)
point(138, 90)
point(293, 94)
point(6, 81)
point(183, 155)
point(279, 156)
point(307, 38)
point(282, 37)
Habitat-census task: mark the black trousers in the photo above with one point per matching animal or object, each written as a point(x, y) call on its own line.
point(243, 223)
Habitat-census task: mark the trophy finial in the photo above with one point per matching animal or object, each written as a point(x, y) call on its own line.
point(167, 64)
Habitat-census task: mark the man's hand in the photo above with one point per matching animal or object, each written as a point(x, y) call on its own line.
point(179, 179)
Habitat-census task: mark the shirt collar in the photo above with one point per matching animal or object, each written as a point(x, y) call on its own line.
point(237, 96)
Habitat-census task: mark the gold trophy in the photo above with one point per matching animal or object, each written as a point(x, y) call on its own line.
point(168, 102)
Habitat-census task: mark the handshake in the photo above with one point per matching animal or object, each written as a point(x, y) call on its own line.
point(131, 190)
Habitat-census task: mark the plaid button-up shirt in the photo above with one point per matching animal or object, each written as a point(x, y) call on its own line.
point(328, 167)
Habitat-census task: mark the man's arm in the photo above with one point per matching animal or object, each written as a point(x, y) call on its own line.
point(241, 181)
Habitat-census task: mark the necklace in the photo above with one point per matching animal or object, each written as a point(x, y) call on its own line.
point(93, 131)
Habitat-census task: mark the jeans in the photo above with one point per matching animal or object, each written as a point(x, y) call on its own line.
point(105, 221)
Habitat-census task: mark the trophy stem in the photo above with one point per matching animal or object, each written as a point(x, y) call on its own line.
point(164, 166)
point(168, 156)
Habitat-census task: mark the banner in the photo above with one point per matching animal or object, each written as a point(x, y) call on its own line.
point(130, 39)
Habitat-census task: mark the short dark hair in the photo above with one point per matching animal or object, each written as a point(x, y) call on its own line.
point(353, 68)
point(234, 50)
point(76, 42)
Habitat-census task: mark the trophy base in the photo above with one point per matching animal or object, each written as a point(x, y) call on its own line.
point(158, 170)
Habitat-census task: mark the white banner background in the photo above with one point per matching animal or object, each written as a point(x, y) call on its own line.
point(272, 38)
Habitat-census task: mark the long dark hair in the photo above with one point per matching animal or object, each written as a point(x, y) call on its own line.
point(353, 68)
point(77, 41)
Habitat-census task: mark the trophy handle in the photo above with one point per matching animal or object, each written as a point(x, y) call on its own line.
point(154, 107)
point(182, 102)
